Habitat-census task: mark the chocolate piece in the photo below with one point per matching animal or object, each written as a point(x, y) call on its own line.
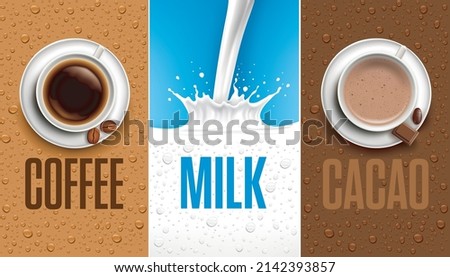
point(417, 116)
point(405, 133)
point(108, 126)
point(93, 136)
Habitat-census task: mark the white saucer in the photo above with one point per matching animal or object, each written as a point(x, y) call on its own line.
point(28, 89)
point(348, 130)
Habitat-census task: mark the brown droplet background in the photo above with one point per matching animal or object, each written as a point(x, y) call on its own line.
point(25, 28)
point(326, 28)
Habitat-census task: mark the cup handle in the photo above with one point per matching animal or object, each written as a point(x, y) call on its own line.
point(99, 51)
point(405, 133)
point(400, 52)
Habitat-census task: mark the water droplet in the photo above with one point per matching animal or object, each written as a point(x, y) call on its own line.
point(372, 239)
point(418, 238)
point(135, 24)
point(160, 211)
point(139, 224)
point(372, 10)
point(440, 224)
point(51, 247)
point(211, 222)
point(132, 158)
point(116, 45)
point(307, 208)
point(399, 3)
point(417, 45)
point(444, 7)
point(250, 227)
point(326, 38)
point(239, 248)
point(78, 29)
point(158, 242)
point(142, 209)
point(35, 9)
point(286, 163)
point(71, 239)
point(444, 209)
point(434, 158)
point(6, 138)
point(423, 9)
point(329, 233)
point(314, 109)
point(70, 10)
point(122, 9)
point(25, 38)
point(379, 29)
point(5, 181)
point(437, 24)
point(27, 233)
point(6, 208)
point(443, 186)
point(270, 187)
point(116, 238)
point(188, 148)
point(167, 158)
point(352, 247)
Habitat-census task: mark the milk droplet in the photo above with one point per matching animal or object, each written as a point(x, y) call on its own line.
point(286, 163)
point(122, 9)
point(201, 74)
point(71, 239)
point(132, 158)
point(270, 187)
point(418, 238)
point(35, 9)
point(211, 222)
point(51, 247)
point(326, 38)
point(6, 138)
point(27, 233)
point(423, 9)
point(167, 158)
point(116, 238)
point(440, 224)
point(245, 88)
point(25, 38)
point(158, 242)
point(372, 239)
point(329, 233)
point(352, 247)
point(250, 227)
point(314, 109)
point(139, 224)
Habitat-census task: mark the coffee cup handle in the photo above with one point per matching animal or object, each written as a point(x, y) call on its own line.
point(99, 51)
point(400, 52)
point(405, 133)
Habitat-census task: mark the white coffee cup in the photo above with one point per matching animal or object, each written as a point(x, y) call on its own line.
point(397, 59)
point(101, 116)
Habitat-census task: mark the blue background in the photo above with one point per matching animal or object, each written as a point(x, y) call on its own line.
point(185, 38)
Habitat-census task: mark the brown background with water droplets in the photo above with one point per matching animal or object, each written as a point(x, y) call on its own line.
point(25, 28)
point(327, 27)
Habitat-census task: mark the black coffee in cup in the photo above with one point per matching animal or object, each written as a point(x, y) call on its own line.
point(75, 91)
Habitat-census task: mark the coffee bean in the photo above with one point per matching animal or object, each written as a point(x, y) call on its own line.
point(108, 126)
point(93, 136)
point(417, 116)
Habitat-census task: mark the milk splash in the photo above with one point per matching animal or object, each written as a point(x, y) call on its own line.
point(223, 107)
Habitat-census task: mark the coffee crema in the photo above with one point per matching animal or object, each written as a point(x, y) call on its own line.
point(377, 90)
point(75, 91)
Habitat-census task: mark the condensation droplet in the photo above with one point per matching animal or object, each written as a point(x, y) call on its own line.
point(50, 247)
point(440, 224)
point(444, 209)
point(307, 208)
point(329, 233)
point(211, 222)
point(418, 238)
point(122, 9)
point(116, 238)
point(379, 29)
point(352, 247)
point(35, 9)
point(372, 239)
point(25, 38)
point(326, 38)
point(372, 10)
point(71, 239)
point(417, 45)
point(142, 209)
point(443, 186)
point(167, 158)
point(286, 163)
point(250, 227)
point(6, 208)
point(423, 9)
point(135, 24)
point(239, 248)
point(139, 224)
point(78, 29)
point(434, 158)
point(270, 187)
point(314, 109)
point(27, 233)
point(158, 242)
point(132, 158)
point(437, 24)
point(188, 148)
point(5, 181)
point(116, 45)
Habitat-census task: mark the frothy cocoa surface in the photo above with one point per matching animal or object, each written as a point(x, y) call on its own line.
point(377, 90)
